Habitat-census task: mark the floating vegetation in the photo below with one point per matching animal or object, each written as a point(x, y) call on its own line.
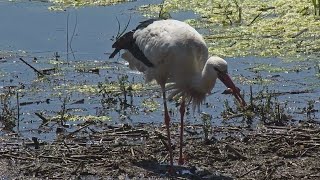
point(258, 79)
point(150, 105)
point(268, 68)
point(275, 68)
point(112, 87)
point(4, 54)
point(260, 28)
point(62, 4)
point(70, 117)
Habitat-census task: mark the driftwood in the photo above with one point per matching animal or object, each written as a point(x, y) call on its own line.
point(40, 73)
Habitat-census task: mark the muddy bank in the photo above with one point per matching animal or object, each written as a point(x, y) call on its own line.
point(268, 152)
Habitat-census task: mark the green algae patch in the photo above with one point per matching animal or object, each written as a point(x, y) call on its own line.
point(252, 28)
point(62, 4)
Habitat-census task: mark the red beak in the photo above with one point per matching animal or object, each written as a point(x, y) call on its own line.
point(225, 78)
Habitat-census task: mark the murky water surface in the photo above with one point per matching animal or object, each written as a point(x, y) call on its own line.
point(75, 70)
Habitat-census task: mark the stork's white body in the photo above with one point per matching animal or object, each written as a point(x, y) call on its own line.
point(179, 55)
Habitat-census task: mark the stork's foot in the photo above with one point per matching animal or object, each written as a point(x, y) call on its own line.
point(181, 161)
point(171, 171)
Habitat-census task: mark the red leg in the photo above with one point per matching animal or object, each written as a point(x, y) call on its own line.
point(182, 111)
point(167, 123)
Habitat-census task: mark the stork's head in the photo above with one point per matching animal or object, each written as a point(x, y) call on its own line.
point(123, 40)
point(220, 68)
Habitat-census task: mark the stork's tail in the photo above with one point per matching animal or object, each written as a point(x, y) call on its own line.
point(114, 53)
point(127, 42)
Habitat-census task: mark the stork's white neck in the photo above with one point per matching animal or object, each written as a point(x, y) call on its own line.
point(202, 84)
point(208, 78)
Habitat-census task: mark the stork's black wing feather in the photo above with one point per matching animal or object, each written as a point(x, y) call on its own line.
point(138, 54)
point(146, 23)
point(127, 42)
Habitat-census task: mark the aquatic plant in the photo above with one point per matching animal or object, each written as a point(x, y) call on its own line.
point(310, 109)
point(9, 108)
point(63, 115)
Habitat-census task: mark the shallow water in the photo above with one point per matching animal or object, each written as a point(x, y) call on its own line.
point(31, 31)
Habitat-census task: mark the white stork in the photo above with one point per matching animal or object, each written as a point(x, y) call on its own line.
point(171, 51)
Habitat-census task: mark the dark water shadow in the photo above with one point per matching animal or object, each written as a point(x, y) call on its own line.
point(181, 171)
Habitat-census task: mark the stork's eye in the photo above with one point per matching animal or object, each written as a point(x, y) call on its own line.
point(215, 68)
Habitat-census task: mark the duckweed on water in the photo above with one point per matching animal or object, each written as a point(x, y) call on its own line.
point(94, 89)
point(272, 68)
point(70, 117)
point(256, 79)
point(62, 4)
point(269, 68)
point(261, 28)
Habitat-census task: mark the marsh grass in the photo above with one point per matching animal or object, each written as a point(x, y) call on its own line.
point(123, 85)
point(63, 114)
point(9, 108)
point(310, 110)
point(263, 105)
point(206, 126)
